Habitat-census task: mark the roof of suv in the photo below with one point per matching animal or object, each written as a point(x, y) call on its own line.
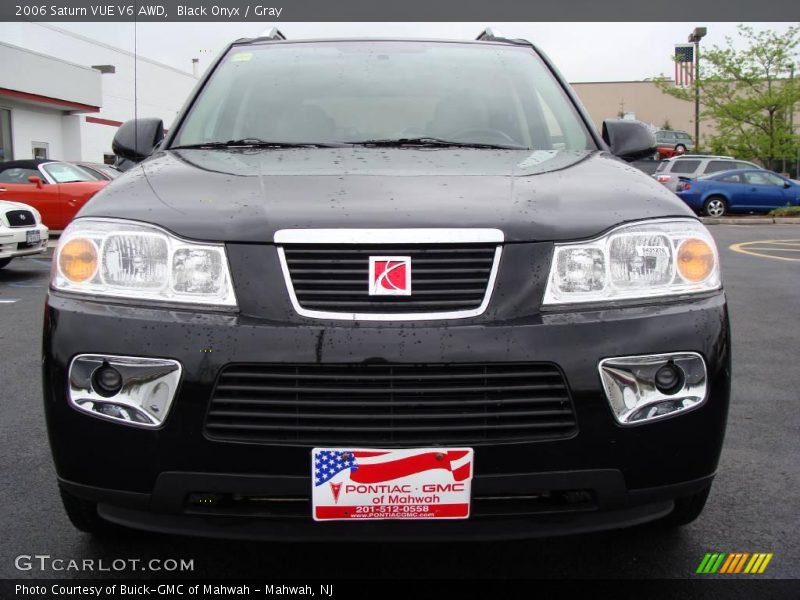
point(486, 36)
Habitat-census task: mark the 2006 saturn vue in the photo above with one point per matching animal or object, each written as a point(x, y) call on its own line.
point(398, 282)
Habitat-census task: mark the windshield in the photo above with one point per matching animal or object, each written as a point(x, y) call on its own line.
point(66, 173)
point(357, 92)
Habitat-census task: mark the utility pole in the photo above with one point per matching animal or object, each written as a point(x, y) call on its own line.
point(694, 38)
point(791, 125)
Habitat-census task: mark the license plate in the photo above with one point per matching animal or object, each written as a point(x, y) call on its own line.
point(367, 484)
point(33, 237)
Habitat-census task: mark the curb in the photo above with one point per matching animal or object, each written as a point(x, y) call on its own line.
point(751, 221)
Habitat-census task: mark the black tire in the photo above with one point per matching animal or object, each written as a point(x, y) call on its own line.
point(4, 262)
point(715, 207)
point(680, 148)
point(687, 509)
point(83, 515)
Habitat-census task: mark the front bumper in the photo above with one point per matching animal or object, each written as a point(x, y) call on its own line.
point(143, 478)
point(13, 241)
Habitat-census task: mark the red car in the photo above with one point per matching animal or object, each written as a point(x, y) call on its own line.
point(56, 189)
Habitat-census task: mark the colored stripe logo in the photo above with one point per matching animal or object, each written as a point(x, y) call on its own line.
point(734, 563)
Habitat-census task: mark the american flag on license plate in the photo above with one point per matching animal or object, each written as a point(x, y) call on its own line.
point(368, 466)
point(684, 65)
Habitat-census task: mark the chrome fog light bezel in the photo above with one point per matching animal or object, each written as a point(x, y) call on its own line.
point(148, 390)
point(629, 386)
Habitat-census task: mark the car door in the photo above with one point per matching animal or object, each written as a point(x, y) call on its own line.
point(732, 185)
point(765, 191)
point(15, 187)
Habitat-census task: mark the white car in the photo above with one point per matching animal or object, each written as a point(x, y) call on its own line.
point(22, 232)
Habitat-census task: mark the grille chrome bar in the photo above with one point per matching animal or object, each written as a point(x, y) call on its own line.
point(327, 272)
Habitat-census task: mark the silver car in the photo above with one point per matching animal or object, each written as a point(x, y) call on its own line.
point(695, 165)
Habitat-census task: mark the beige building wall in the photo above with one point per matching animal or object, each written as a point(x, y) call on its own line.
point(606, 100)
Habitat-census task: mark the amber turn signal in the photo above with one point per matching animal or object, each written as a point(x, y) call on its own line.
point(695, 260)
point(78, 260)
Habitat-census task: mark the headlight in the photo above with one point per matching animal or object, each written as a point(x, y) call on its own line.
point(125, 259)
point(642, 260)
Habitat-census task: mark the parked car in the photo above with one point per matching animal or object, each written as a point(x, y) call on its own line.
point(380, 281)
point(673, 143)
point(743, 190)
point(696, 165)
point(100, 170)
point(21, 232)
point(56, 189)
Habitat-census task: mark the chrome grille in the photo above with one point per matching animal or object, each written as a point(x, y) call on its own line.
point(390, 404)
point(444, 277)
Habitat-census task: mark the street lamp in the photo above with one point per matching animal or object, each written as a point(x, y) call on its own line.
point(694, 38)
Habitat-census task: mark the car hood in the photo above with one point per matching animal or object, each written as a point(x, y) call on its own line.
point(246, 195)
point(8, 205)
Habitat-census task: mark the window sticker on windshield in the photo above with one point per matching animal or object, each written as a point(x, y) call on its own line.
point(242, 56)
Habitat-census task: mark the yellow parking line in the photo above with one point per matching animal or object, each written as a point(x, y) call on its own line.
point(748, 247)
point(777, 249)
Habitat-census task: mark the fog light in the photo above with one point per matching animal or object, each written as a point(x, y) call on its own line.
point(125, 389)
point(669, 379)
point(107, 381)
point(643, 388)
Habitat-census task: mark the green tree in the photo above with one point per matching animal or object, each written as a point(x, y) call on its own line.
point(750, 94)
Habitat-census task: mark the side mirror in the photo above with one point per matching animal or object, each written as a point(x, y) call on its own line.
point(36, 180)
point(628, 139)
point(136, 139)
point(786, 184)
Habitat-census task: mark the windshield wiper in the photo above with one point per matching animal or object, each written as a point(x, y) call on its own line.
point(256, 143)
point(433, 142)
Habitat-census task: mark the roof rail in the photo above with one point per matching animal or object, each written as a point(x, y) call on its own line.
point(487, 35)
point(272, 34)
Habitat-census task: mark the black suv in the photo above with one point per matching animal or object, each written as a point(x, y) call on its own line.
point(403, 282)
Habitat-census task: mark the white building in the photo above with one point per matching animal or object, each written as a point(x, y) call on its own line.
point(54, 104)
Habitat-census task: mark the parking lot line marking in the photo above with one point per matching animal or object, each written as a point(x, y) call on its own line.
point(8, 301)
point(749, 247)
point(776, 249)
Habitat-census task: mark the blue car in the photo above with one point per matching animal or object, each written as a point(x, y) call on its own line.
point(742, 190)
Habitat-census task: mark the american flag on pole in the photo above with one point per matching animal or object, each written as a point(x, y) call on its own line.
point(684, 65)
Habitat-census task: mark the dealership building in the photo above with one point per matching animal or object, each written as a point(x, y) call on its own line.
point(62, 95)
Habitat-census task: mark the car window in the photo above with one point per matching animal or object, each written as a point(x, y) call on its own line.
point(67, 173)
point(745, 165)
point(736, 178)
point(93, 173)
point(18, 175)
point(762, 178)
point(685, 166)
point(353, 91)
point(683, 136)
point(716, 166)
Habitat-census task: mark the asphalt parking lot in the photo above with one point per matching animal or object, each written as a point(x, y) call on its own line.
point(752, 508)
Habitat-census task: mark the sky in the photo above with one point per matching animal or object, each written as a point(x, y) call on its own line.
point(582, 51)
